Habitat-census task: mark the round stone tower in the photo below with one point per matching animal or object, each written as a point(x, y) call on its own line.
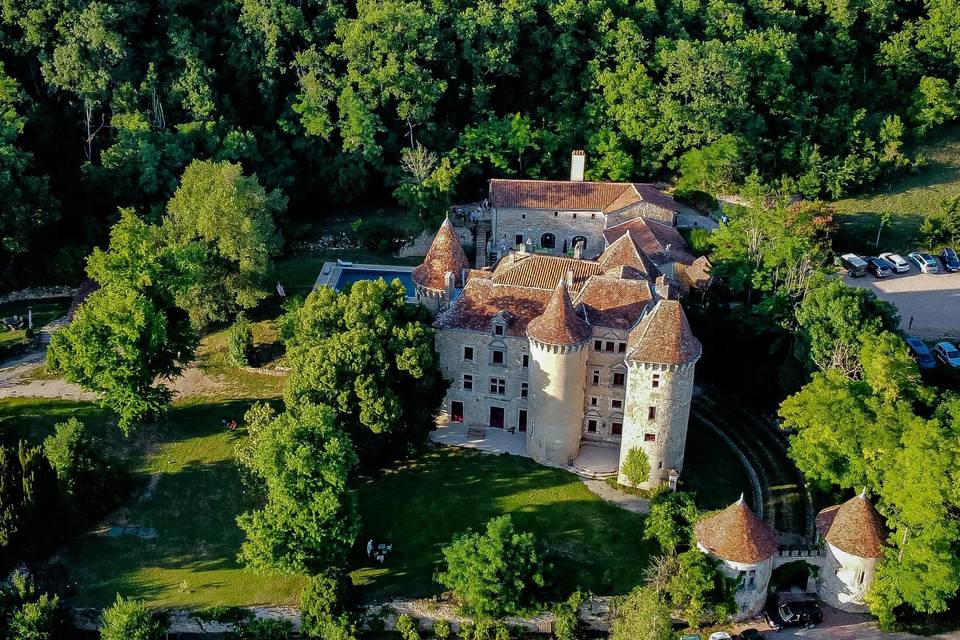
point(745, 546)
point(661, 356)
point(854, 539)
point(557, 376)
point(443, 270)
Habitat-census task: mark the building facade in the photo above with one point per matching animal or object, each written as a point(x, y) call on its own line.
point(565, 349)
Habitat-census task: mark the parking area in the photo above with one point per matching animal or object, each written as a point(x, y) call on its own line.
point(839, 625)
point(929, 303)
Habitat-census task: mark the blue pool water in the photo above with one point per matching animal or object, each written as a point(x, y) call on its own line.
point(350, 275)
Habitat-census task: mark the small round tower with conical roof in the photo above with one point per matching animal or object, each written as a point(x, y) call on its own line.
point(745, 546)
point(854, 536)
point(443, 271)
point(661, 355)
point(557, 377)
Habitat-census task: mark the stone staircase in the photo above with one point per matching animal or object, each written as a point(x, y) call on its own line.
point(483, 232)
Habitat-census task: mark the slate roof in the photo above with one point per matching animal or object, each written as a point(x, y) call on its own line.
point(737, 535)
point(664, 337)
point(445, 254)
point(652, 238)
point(854, 527)
point(580, 196)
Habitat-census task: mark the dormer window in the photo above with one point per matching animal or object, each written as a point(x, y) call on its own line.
point(497, 356)
point(498, 329)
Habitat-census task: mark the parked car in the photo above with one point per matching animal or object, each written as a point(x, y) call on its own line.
point(720, 635)
point(924, 262)
point(948, 353)
point(921, 353)
point(797, 613)
point(896, 261)
point(750, 634)
point(854, 264)
point(950, 260)
point(879, 267)
point(694, 637)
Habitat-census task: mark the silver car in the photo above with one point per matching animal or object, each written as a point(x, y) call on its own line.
point(896, 262)
point(924, 262)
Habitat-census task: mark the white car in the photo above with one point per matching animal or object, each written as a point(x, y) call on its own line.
point(897, 262)
point(720, 635)
point(924, 262)
point(948, 353)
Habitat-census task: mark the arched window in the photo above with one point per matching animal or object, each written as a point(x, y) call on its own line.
point(548, 241)
point(576, 239)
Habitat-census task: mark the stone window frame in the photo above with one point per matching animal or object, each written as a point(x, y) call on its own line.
point(623, 379)
point(655, 381)
point(498, 386)
point(597, 345)
point(613, 428)
point(616, 403)
point(596, 377)
point(493, 356)
point(524, 389)
point(649, 436)
point(467, 383)
point(593, 401)
point(525, 360)
point(621, 347)
point(467, 349)
point(652, 412)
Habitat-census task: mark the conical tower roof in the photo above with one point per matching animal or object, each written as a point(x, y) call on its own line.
point(854, 527)
point(664, 336)
point(737, 535)
point(560, 324)
point(445, 254)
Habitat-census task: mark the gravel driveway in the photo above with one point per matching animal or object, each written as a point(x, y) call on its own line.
point(932, 300)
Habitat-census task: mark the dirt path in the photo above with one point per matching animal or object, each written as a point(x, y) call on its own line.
point(619, 498)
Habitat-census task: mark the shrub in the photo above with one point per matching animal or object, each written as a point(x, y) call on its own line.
point(636, 467)
point(93, 483)
point(441, 629)
point(407, 628)
point(240, 341)
point(130, 620)
point(699, 239)
point(265, 629)
point(566, 624)
point(641, 615)
point(42, 619)
point(494, 573)
point(501, 632)
point(323, 608)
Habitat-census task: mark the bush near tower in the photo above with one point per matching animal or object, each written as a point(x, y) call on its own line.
point(636, 467)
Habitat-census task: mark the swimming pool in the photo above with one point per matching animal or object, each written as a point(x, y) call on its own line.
point(349, 275)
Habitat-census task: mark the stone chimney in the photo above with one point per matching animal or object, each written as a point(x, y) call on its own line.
point(448, 284)
point(578, 250)
point(664, 288)
point(578, 161)
point(569, 279)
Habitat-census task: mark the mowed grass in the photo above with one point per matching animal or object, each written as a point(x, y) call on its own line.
point(190, 492)
point(420, 506)
point(907, 200)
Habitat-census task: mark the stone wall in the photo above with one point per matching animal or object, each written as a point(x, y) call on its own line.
point(509, 223)
point(606, 364)
point(37, 293)
point(662, 437)
point(450, 345)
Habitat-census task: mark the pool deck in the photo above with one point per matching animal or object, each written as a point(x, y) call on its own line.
point(330, 273)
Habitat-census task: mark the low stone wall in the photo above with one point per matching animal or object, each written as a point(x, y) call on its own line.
point(37, 293)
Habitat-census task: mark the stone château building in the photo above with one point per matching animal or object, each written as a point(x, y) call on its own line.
point(563, 348)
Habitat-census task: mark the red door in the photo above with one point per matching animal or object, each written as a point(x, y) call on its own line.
point(496, 417)
point(522, 420)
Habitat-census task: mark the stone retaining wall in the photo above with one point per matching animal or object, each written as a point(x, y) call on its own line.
point(38, 293)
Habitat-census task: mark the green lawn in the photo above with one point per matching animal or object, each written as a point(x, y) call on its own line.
point(908, 200)
point(420, 506)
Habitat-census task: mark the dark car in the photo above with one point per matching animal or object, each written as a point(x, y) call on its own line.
point(796, 613)
point(950, 260)
point(879, 267)
point(750, 634)
point(921, 353)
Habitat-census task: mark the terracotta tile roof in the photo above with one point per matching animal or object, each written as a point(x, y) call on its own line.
point(482, 299)
point(624, 252)
point(854, 527)
point(543, 271)
point(737, 535)
point(652, 238)
point(560, 323)
point(445, 254)
point(613, 302)
point(579, 196)
point(625, 272)
point(695, 275)
point(664, 336)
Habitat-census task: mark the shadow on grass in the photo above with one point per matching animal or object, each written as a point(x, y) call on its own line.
point(421, 506)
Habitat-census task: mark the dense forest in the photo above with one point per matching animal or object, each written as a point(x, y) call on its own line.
point(103, 103)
